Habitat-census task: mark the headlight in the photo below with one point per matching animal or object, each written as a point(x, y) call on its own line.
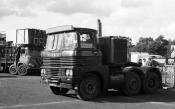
point(31, 65)
point(69, 72)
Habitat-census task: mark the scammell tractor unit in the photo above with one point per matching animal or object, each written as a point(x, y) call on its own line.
point(29, 44)
point(78, 59)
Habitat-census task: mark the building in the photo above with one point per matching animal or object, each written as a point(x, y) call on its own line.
point(2, 39)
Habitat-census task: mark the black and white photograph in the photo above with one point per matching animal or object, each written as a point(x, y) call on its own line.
point(81, 54)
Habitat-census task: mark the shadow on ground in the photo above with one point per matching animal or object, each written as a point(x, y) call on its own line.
point(7, 75)
point(117, 97)
point(36, 73)
point(160, 96)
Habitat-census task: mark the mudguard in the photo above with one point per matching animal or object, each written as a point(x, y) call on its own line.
point(144, 70)
point(139, 70)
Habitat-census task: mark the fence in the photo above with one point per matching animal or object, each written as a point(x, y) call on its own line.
point(168, 73)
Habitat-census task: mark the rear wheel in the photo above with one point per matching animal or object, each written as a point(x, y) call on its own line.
point(89, 88)
point(13, 69)
point(22, 70)
point(132, 84)
point(151, 83)
point(58, 90)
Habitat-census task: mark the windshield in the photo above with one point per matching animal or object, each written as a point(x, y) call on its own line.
point(61, 41)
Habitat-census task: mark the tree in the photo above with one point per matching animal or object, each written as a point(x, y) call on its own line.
point(143, 44)
point(159, 46)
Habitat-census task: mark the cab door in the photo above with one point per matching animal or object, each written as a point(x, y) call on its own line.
point(88, 48)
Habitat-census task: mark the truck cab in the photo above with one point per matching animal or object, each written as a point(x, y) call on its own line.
point(69, 53)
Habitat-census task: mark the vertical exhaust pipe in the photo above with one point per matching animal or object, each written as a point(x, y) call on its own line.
point(99, 30)
point(99, 26)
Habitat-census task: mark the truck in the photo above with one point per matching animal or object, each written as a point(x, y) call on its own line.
point(81, 59)
point(27, 58)
point(7, 49)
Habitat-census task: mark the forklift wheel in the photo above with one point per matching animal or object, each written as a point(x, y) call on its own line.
point(13, 70)
point(22, 70)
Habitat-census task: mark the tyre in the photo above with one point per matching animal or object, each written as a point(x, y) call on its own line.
point(22, 70)
point(89, 88)
point(58, 90)
point(151, 83)
point(4, 69)
point(13, 69)
point(132, 84)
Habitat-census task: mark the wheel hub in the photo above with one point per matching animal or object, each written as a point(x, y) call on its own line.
point(90, 88)
point(133, 84)
point(151, 83)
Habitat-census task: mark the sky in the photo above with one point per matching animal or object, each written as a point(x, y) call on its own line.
point(130, 18)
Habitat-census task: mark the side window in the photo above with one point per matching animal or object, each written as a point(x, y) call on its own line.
point(86, 41)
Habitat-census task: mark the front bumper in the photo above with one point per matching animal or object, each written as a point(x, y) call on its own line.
point(56, 77)
point(57, 84)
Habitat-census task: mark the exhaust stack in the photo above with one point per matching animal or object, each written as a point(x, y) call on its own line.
point(99, 26)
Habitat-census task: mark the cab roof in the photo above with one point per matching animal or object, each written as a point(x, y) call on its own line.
point(67, 28)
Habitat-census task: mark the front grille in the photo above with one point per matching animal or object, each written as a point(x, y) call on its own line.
point(64, 62)
point(54, 73)
point(55, 67)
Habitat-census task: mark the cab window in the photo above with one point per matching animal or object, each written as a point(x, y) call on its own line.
point(86, 40)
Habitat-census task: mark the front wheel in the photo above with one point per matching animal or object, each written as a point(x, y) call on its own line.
point(89, 88)
point(58, 90)
point(22, 70)
point(151, 83)
point(13, 69)
point(132, 84)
